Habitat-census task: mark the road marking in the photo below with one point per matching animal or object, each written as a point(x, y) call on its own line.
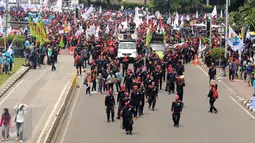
point(52, 113)
point(11, 92)
point(242, 107)
point(70, 115)
point(231, 96)
point(203, 70)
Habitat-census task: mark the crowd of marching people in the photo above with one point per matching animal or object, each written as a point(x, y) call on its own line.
point(135, 83)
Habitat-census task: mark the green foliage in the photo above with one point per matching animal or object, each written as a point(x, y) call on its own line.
point(205, 40)
point(180, 5)
point(217, 53)
point(17, 43)
point(245, 15)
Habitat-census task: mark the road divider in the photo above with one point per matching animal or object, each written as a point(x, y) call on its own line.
point(51, 130)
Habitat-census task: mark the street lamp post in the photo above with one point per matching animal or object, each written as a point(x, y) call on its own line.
point(221, 31)
point(226, 27)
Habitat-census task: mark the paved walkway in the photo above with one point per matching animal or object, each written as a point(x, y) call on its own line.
point(239, 87)
point(230, 125)
point(40, 89)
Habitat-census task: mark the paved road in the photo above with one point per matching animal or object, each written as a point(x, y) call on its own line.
point(40, 89)
point(231, 125)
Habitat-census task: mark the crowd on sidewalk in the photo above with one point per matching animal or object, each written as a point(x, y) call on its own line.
point(6, 62)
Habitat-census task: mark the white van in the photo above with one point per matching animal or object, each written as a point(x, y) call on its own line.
point(127, 48)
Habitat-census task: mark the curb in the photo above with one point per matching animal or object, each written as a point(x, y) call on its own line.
point(13, 79)
point(246, 103)
point(53, 131)
point(243, 101)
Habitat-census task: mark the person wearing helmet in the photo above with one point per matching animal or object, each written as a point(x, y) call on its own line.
point(176, 110)
point(109, 105)
point(120, 97)
point(135, 99)
point(127, 114)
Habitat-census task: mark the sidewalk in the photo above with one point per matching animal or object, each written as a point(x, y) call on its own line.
point(40, 89)
point(239, 87)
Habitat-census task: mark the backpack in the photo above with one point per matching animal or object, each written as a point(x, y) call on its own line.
point(215, 93)
point(78, 59)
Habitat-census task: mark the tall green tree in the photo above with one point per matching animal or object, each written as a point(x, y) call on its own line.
point(183, 5)
point(245, 15)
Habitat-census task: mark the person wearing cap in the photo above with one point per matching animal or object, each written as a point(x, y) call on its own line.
point(152, 95)
point(109, 105)
point(127, 114)
point(180, 69)
point(141, 91)
point(135, 99)
point(171, 76)
point(176, 110)
point(120, 97)
point(211, 97)
point(179, 88)
point(212, 72)
point(128, 80)
point(19, 119)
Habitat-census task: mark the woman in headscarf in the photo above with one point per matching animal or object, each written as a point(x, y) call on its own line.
point(6, 124)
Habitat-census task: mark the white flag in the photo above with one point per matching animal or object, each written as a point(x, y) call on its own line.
point(214, 12)
point(197, 15)
point(221, 13)
point(107, 30)
point(234, 41)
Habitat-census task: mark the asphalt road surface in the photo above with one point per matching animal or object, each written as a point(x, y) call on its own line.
point(232, 124)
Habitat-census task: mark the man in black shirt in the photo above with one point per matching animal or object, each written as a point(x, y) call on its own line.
point(109, 105)
point(152, 95)
point(176, 110)
point(128, 114)
point(121, 96)
point(135, 99)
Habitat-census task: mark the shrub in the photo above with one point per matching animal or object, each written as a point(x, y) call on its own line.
point(218, 53)
point(17, 43)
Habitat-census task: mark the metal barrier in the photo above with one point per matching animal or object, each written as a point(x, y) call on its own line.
point(51, 137)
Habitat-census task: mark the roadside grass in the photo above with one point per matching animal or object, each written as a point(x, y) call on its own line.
point(18, 62)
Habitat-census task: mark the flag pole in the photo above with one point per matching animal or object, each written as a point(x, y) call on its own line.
point(226, 29)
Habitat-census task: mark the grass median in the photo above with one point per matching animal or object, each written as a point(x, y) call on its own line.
point(18, 62)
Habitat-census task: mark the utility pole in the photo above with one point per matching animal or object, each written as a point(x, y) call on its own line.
point(226, 29)
point(207, 2)
point(6, 23)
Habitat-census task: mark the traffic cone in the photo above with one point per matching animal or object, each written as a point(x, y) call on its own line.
point(195, 62)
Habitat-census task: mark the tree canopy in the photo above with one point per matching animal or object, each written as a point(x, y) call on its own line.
point(244, 15)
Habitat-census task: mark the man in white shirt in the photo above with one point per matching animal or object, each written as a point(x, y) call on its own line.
point(19, 119)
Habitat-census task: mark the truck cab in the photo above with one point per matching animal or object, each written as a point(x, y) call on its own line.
point(127, 46)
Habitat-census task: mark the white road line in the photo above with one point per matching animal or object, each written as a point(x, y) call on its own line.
point(231, 96)
point(242, 108)
point(70, 115)
point(203, 70)
point(52, 113)
point(11, 92)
